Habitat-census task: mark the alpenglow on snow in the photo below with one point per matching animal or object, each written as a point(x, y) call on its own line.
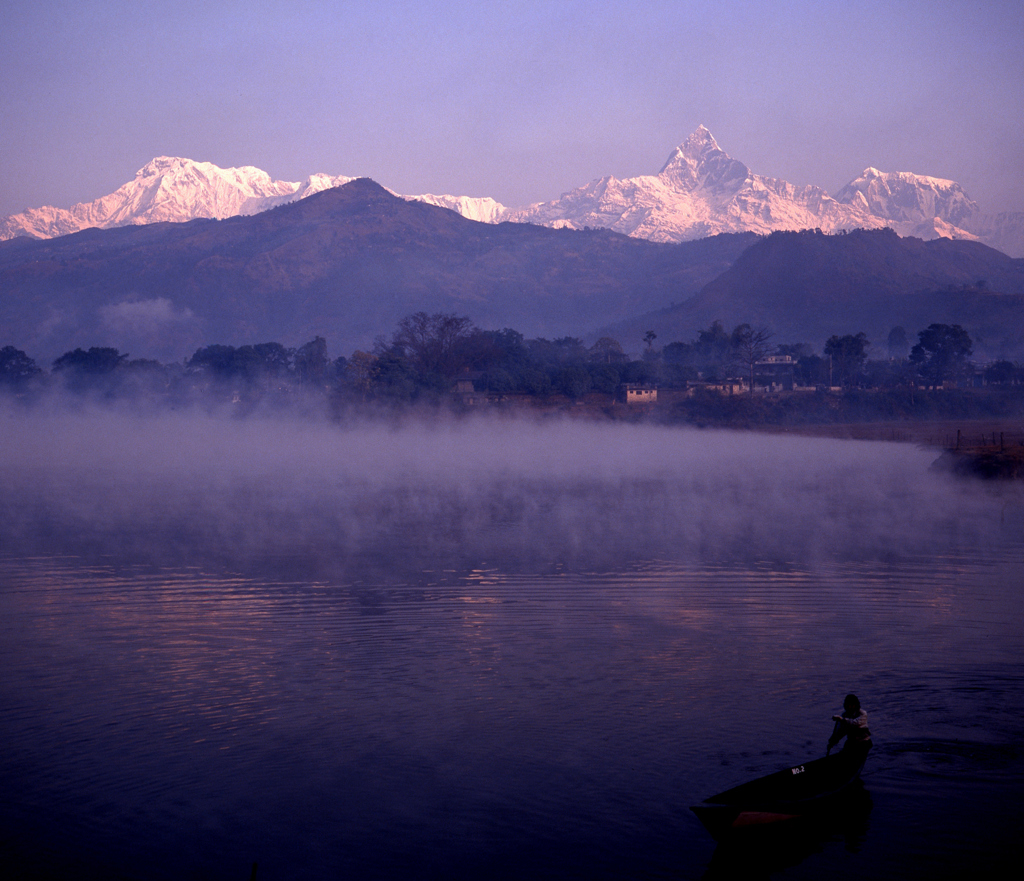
point(700, 191)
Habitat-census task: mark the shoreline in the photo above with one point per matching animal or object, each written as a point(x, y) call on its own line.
point(941, 434)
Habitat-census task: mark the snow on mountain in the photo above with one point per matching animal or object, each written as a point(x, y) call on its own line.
point(905, 197)
point(176, 190)
point(170, 189)
point(700, 191)
point(483, 209)
point(930, 207)
point(166, 189)
point(315, 183)
point(1003, 231)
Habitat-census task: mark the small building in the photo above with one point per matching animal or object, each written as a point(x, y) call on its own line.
point(466, 394)
point(637, 393)
point(724, 387)
point(775, 372)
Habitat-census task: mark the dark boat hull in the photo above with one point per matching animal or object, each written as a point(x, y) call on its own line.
point(785, 795)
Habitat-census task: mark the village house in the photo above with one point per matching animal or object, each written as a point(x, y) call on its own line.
point(775, 373)
point(636, 393)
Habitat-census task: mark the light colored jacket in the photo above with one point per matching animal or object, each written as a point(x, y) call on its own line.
point(854, 729)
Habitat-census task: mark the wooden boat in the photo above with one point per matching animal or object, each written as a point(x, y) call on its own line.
point(785, 795)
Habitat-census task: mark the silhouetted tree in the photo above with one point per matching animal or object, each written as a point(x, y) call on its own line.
point(93, 369)
point(678, 363)
point(573, 382)
point(17, 369)
point(749, 346)
point(898, 343)
point(358, 372)
point(650, 353)
point(247, 364)
point(510, 346)
point(270, 359)
point(561, 352)
point(500, 381)
point(942, 352)
point(607, 351)
point(535, 382)
point(811, 370)
point(1002, 373)
point(96, 361)
point(712, 352)
point(848, 354)
point(311, 361)
point(394, 377)
point(643, 372)
point(433, 343)
point(888, 373)
point(605, 378)
point(796, 351)
point(216, 361)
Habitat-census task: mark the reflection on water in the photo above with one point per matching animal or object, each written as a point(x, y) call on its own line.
point(525, 668)
point(485, 725)
point(776, 851)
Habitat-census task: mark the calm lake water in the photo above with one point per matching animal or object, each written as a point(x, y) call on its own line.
point(493, 650)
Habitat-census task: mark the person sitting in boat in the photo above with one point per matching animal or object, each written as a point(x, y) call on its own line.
point(853, 725)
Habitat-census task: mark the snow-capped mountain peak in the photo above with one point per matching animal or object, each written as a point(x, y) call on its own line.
point(175, 189)
point(483, 209)
point(168, 188)
point(905, 197)
point(699, 161)
point(171, 174)
point(699, 191)
point(172, 188)
point(693, 150)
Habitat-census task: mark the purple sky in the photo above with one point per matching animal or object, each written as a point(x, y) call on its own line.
point(520, 100)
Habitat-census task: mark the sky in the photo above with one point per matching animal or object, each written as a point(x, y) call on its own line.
point(520, 100)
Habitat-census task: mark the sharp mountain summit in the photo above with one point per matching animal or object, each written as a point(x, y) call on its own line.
point(189, 254)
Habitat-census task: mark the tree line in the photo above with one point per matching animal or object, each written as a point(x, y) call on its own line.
point(426, 355)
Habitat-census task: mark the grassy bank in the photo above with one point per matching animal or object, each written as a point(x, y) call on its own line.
point(897, 414)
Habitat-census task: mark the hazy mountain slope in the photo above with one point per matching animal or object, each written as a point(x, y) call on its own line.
point(346, 264)
point(1004, 231)
point(807, 286)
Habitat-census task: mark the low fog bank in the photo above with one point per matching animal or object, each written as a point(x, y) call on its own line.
point(378, 498)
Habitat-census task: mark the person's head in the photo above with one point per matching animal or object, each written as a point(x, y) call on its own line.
point(851, 706)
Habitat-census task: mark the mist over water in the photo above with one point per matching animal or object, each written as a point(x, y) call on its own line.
point(551, 492)
point(481, 647)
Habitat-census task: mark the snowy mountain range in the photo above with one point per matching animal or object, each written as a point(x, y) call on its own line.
point(169, 190)
point(700, 191)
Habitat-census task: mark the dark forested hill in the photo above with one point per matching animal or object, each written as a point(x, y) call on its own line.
point(349, 263)
point(806, 286)
point(345, 264)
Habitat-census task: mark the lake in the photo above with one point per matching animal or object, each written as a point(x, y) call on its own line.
point(493, 649)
